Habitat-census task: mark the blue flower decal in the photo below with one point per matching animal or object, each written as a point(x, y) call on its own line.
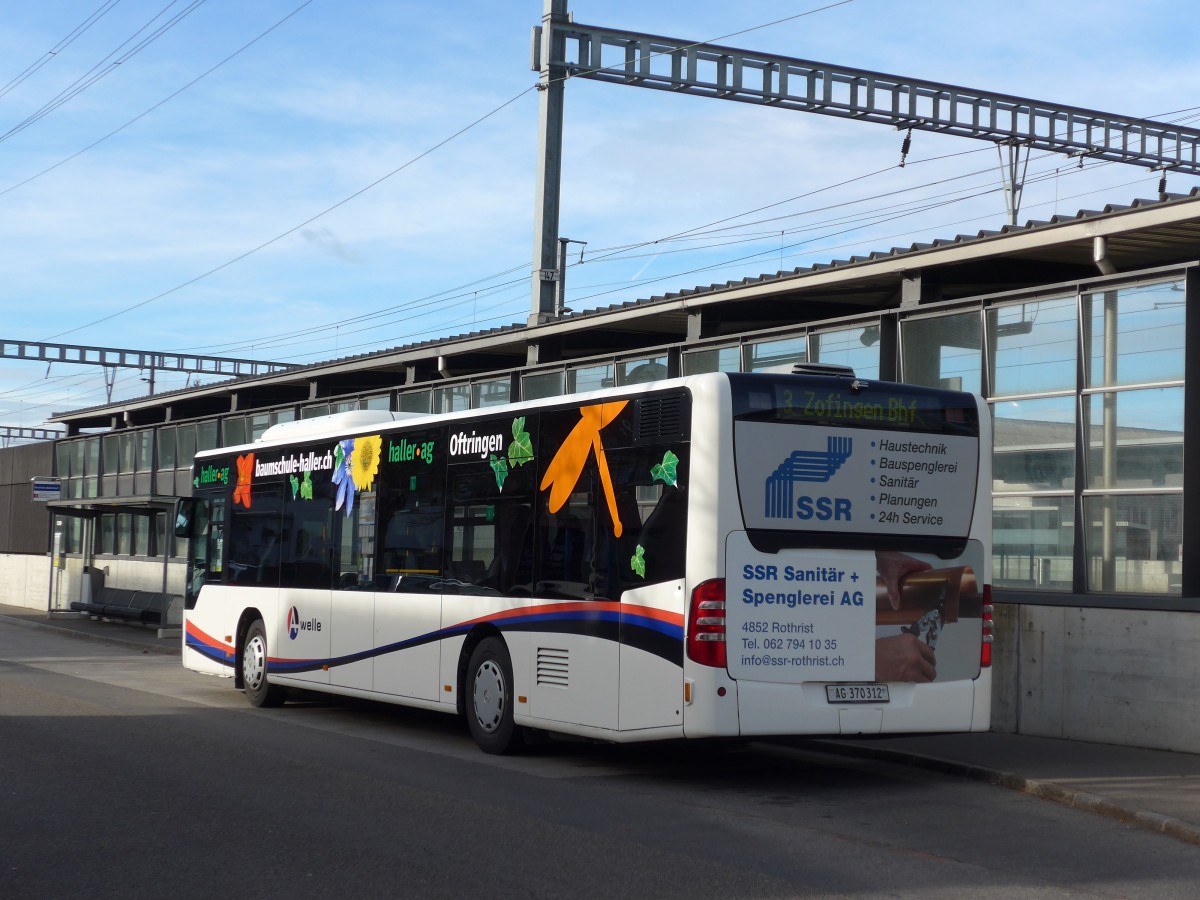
point(342, 476)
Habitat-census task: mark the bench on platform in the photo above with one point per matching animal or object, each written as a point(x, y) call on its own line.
point(125, 605)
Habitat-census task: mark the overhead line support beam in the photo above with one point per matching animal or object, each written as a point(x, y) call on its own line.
point(710, 70)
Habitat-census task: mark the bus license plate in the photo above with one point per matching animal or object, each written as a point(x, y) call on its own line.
point(857, 693)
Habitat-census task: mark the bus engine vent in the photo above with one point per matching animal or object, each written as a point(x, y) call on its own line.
point(553, 667)
point(660, 417)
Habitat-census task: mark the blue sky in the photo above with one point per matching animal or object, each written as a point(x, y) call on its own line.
point(149, 239)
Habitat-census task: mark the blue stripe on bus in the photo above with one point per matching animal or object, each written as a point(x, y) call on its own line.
point(661, 638)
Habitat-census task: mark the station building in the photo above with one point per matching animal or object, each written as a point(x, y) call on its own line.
point(1076, 330)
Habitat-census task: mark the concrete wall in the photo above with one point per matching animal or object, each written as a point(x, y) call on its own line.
point(25, 579)
point(1107, 675)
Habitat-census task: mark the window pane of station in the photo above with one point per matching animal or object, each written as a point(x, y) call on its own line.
point(91, 457)
point(720, 359)
point(106, 534)
point(856, 347)
point(541, 385)
point(456, 398)
point(233, 431)
point(206, 435)
point(415, 402)
point(185, 445)
point(1032, 346)
point(1135, 335)
point(1034, 444)
point(141, 535)
point(640, 371)
point(1134, 543)
point(771, 354)
point(143, 451)
point(63, 459)
point(379, 401)
point(166, 447)
point(1135, 438)
point(124, 534)
point(491, 393)
point(590, 378)
point(1032, 542)
point(259, 423)
point(942, 351)
point(127, 446)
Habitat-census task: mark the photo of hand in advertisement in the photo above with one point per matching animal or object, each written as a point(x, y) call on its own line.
point(927, 618)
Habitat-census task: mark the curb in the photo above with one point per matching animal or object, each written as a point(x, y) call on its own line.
point(88, 636)
point(1043, 790)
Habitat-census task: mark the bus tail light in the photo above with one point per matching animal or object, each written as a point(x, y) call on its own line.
point(706, 624)
point(985, 649)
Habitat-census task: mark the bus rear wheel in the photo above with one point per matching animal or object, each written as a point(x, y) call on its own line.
point(490, 698)
point(259, 691)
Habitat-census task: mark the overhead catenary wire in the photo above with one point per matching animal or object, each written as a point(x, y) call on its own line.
point(54, 51)
point(384, 178)
point(160, 103)
point(677, 239)
point(105, 67)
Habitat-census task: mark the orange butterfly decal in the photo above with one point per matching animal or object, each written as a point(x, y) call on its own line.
point(245, 467)
point(564, 470)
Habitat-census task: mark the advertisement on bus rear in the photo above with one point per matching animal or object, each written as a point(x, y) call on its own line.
point(855, 480)
point(826, 615)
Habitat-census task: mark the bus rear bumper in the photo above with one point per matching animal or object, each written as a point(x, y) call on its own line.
point(773, 709)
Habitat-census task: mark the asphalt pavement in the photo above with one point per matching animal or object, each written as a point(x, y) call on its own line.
point(1156, 790)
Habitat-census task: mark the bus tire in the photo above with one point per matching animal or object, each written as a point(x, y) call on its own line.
point(258, 690)
point(489, 699)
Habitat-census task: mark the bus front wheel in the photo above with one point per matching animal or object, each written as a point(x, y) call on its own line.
point(490, 698)
point(259, 691)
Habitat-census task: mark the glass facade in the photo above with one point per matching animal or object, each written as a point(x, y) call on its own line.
point(1086, 391)
point(1117, 411)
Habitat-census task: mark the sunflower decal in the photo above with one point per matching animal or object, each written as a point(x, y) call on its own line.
point(355, 465)
point(364, 461)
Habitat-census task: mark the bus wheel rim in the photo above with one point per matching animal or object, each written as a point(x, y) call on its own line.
point(489, 696)
point(254, 663)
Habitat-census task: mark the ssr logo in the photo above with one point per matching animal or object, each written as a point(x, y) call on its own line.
point(295, 624)
point(812, 467)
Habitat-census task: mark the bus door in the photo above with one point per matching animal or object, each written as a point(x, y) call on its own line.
point(653, 597)
point(305, 576)
point(408, 578)
point(262, 561)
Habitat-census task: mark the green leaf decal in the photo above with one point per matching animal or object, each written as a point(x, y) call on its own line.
point(295, 482)
point(500, 467)
point(638, 562)
point(196, 482)
point(665, 471)
point(520, 451)
point(339, 457)
point(306, 486)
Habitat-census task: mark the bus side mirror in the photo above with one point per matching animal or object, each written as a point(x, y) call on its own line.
point(185, 514)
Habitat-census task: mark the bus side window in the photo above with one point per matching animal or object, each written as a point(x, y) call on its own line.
point(491, 532)
point(653, 511)
point(307, 551)
point(254, 540)
point(411, 519)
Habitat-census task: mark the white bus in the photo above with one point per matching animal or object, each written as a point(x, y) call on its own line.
point(717, 555)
